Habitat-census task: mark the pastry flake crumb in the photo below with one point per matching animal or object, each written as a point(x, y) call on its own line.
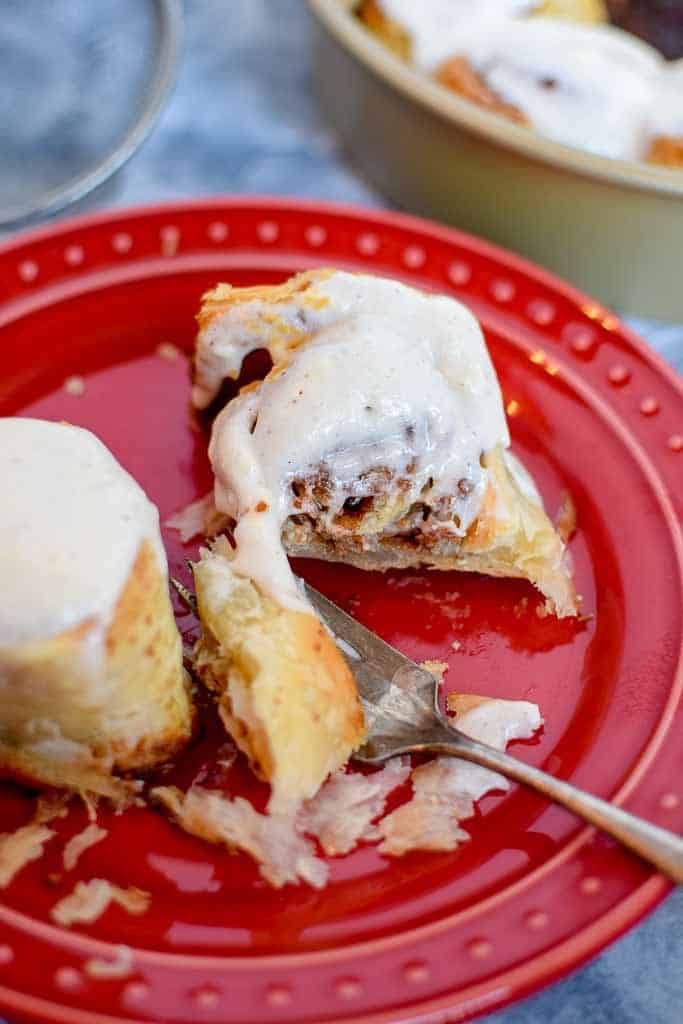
point(436, 668)
point(199, 519)
point(74, 385)
point(565, 520)
point(342, 813)
point(456, 645)
point(89, 900)
point(19, 848)
point(445, 789)
point(81, 842)
point(168, 351)
point(121, 966)
point(272, 840)
point(51, 806)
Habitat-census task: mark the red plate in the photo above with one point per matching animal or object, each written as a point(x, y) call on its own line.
point(430, 937)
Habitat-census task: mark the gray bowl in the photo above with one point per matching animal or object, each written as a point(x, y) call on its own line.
point(614, 228)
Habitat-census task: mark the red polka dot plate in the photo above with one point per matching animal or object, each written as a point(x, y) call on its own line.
point(95, 318)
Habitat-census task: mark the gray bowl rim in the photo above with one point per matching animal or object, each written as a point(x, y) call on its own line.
point(336, 17)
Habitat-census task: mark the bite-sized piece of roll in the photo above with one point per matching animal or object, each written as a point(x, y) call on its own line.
point(91, 674)
point(284, 692)
point(428, 32)
point(378, 438)
point(665, 127)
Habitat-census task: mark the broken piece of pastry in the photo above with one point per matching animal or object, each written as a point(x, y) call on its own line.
point(284, 691)
point(377, 439)
point(91, 674)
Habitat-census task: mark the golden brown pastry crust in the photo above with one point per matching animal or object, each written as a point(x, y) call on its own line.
point(130, 713)
point(389, 32)
point(458, 75)
point(591, 11)
point(284, 691)
point(667, 151)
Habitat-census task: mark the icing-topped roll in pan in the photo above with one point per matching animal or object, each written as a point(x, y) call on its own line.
point(378, 439)
point(91, 673)
point(553, 67)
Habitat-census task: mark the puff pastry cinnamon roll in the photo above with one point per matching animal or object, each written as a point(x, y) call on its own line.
point(567, 77)
point(378, 439)
point(91, 674)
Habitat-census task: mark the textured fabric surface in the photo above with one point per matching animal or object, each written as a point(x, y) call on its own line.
point(243, 119)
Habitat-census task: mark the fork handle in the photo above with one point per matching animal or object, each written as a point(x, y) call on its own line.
point(660, 847)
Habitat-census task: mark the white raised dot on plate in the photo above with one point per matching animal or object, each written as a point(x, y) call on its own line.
point(416, 972)
point(218, 231)
point(206, 997)
point(74, 385)
point(122, 242)
point(479, 949)
point(590, 885)
point(68, 978)
point(6, 954)
point(649, 406)
point(28, 270)
point(170, 240)
point(580, 337)
point(278, 995)
point(618, 375)
point(669, 801)
point(73, 255)
point(268, 231)
point(348, 988)
point(367, 243)
point(315, 235)
point(675, 442)
point(136, 991)
point(536, 920)
point(414, 256)
point(502, 290)
point(459, 272)
point(541, 311)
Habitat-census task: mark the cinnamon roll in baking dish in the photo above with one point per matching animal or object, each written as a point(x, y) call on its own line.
point(378, 439)
point(91, 674)
point(570, 78)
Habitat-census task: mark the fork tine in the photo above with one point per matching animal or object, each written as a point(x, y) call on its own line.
point(185, 594)
point(368, 644)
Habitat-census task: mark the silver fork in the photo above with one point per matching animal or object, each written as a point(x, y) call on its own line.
point(401, 706)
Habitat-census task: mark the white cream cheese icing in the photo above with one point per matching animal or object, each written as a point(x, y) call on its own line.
point(587, 86)
point(383, 377)
point(666, 116)
point(436, 26)
point(590, 86)
point(71, 524)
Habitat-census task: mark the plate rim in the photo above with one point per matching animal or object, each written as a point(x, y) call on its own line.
point(569, 953)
